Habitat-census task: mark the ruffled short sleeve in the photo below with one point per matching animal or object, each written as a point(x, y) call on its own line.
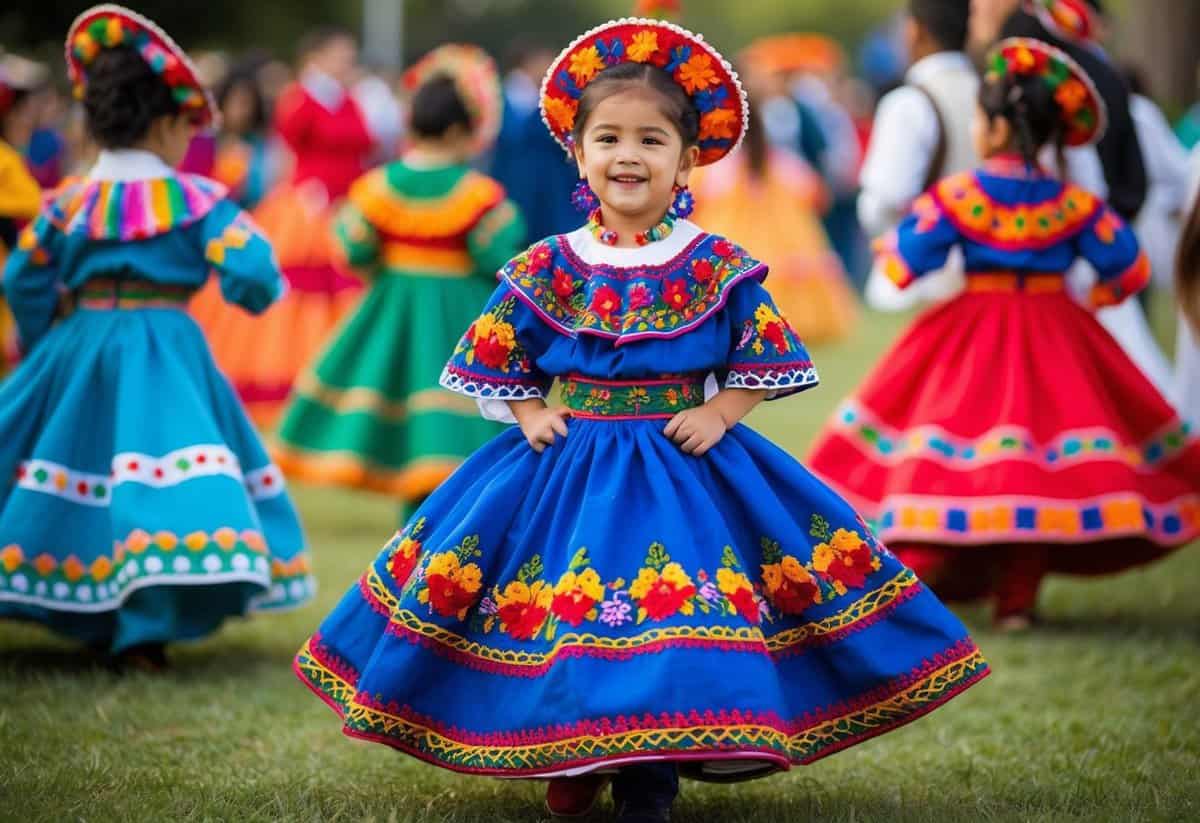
point(495, 359)
point(765, 352)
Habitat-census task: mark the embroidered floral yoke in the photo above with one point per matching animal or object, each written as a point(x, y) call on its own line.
point(601, 593)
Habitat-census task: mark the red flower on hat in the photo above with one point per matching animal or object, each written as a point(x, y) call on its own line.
point(1071, 95)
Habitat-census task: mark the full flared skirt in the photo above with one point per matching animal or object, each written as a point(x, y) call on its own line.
point(1015, 421)
point(370, 414)
point(614, 600)
point(142, 507)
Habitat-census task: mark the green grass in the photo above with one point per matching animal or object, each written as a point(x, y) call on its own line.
point(1094, 718)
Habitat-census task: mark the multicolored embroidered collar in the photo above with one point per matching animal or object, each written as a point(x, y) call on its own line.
point(699, 69)
point(1039, 224)
point(108, 26)
point(1084, 114)
point(1072, 20)
point(659, 231)
point(628, 303)
point(475, 79)
point(133, 209)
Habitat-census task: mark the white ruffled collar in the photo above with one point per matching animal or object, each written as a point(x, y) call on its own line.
point(592, 251)
point(127, 165)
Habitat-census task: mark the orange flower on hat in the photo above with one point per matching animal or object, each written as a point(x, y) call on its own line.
point(1023, 60)
point(697, 74)
point(718, 124)
point(1071, 95)
point(561, 112)
point(585, 64)
point(643, 47)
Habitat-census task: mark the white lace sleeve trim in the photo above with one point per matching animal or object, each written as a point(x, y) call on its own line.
point(777, 382)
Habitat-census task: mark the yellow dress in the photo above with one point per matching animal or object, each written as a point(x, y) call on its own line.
point(20, 200)
point(775, 217)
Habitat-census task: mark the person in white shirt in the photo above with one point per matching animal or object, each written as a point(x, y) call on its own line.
point(922, 132)
point(1168, 171)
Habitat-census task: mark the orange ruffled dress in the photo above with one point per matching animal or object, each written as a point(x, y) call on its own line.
point(776, 218)
point(263, 355)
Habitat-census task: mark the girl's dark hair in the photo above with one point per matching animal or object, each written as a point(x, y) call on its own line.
point(1187, 269)
point(1028, 104)
point(124, 96)
point(674, 103)
point(244, 76)
point(437, 107)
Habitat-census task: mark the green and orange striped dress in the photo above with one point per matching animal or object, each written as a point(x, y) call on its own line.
point(370, 414)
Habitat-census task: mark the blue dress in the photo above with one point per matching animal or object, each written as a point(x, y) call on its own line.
point(142, 506)
point(614, 599)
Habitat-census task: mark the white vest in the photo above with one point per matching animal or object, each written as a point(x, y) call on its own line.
point(956, 90)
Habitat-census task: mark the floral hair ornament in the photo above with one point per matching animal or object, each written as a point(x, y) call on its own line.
point(476, 80)
point(108, 26)
point(1072, 20)
point(705, 76)
point(1084, 115)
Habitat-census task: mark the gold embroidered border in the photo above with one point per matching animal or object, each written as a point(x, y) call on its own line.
point(859, 610)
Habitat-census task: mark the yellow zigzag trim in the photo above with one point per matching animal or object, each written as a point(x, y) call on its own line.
point(860, 609)
point(800, 746)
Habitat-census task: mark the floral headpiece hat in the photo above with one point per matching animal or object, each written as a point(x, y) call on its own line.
point(108, 26)
point(1084, 113)
point(1073, 20)
point(699, 69)
point(476, 80)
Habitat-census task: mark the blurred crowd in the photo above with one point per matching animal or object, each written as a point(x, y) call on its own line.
point(815, 101)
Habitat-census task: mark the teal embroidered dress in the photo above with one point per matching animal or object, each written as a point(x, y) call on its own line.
point(142, 507)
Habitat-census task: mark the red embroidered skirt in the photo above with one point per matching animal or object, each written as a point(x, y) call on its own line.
point(1011, 418)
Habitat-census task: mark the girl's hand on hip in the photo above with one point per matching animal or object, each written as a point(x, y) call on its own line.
point(696, 430)
point(540, 426)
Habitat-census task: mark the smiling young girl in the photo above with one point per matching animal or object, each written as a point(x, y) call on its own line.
point(142, 507)
point(633, 583)
point(1006, 435)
